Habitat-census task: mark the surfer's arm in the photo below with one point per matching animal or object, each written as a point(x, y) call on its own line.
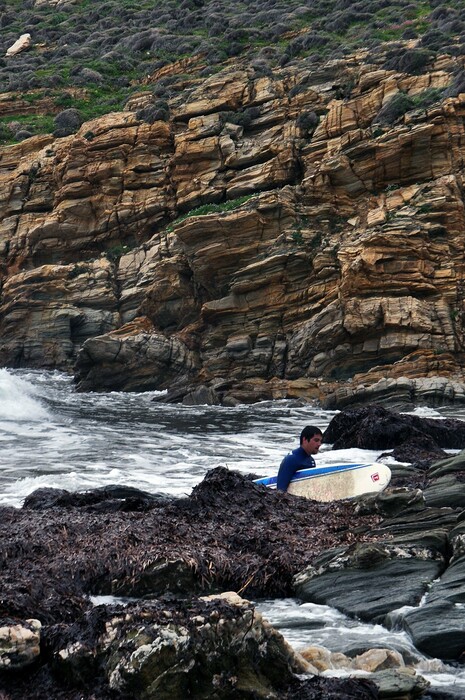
point(286, 470)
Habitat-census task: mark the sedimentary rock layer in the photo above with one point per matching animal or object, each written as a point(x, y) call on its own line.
point(275, 234)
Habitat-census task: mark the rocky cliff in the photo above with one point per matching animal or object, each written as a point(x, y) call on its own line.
point(288, 234)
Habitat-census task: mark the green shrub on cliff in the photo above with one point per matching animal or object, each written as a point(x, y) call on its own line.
point(428, 97)
point(107, 47)
point(205, 209)
point(13, 129)
point(409, 60)
point(395, 108)
point(401, 103)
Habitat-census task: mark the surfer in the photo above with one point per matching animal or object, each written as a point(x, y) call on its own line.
point(300, 458)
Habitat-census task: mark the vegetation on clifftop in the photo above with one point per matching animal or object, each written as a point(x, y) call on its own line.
point(93, 55)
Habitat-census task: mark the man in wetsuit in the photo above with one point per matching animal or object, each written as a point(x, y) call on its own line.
point(301, 458)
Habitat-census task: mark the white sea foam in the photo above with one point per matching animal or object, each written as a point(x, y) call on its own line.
point(309, 624)
point(426, 412)
point(131, 439)
point(18, 400)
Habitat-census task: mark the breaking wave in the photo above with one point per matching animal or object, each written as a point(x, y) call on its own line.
point(19, 399)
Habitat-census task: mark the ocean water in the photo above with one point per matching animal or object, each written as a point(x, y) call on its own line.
point(52, 436)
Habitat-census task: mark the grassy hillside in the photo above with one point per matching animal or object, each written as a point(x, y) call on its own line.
point(91, 55)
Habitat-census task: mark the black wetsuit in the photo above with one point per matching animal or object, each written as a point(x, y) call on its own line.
point(297, 459)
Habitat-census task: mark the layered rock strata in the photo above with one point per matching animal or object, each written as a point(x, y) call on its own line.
point(279, 237)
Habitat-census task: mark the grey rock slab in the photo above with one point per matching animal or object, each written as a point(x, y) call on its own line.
point(399, 683)
point(438, 629)
point(429, 528)
point(446, 490)
point(448, 466)
point(438, 626)
point(371, 580)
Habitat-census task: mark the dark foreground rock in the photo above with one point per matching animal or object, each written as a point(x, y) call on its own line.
point(230, 534)
point(106, 499)
point(395, 559)
point(176, 649)
point(218, 648)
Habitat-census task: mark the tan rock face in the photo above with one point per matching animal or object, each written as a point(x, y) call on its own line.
point(50, 310)
point(271, 232)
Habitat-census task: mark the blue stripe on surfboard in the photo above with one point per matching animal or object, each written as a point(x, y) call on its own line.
point(304, 474)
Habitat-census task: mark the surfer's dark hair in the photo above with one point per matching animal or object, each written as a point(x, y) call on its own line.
point(308, 432)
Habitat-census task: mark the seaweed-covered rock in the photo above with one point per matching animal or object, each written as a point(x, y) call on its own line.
point(61, 546)
point(105, 499)
point(317, 688)
point(377, 428)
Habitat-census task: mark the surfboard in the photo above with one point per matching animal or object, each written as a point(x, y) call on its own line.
point(334, 483)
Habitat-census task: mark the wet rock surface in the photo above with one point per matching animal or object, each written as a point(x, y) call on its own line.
point(377, 428)
point(418, 559)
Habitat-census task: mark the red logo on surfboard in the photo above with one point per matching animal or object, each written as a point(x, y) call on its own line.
point(375, 477)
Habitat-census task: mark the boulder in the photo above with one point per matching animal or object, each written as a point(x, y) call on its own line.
point(24, 42)
point(67, 122)
point(386, 669)
point(19, 643)
point(400, 683)
point(134, 358)
point(215, 647)
point(377, 428)
point(378, 660)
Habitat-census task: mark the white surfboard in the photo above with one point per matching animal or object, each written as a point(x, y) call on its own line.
point(336, 482)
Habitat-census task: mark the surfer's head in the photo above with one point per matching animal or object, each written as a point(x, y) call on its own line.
point(310, 439)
